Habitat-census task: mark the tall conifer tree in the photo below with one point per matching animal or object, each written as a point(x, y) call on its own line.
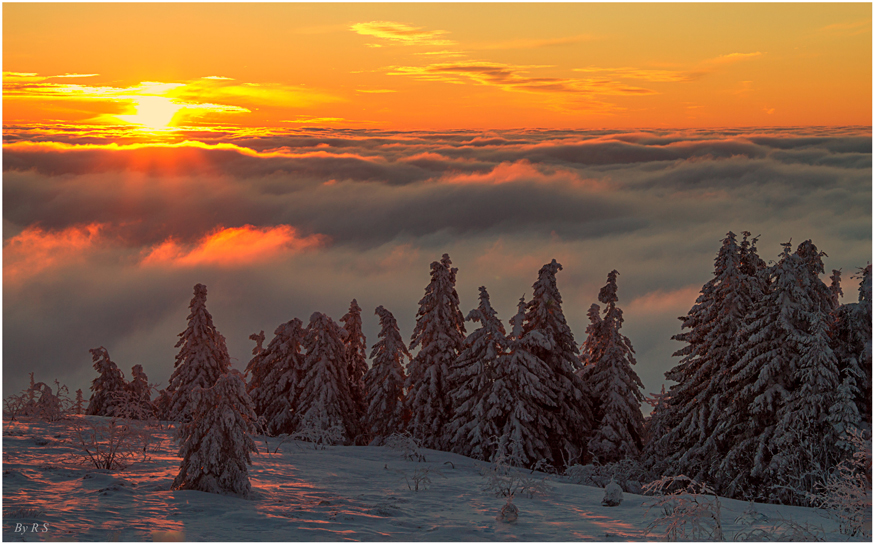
point(471, 430)
point(439, 335)
point(281, 364)
point(570, 422)
point(615, 387)
point(324, 393)
point(384, 381)
point(202, 359)
point(356, 355)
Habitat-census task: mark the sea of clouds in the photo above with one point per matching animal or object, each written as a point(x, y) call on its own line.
point(104, 242)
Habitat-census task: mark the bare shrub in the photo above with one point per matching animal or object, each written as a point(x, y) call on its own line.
point(23, 512)
point(109, 444)
point(783, 530)
point(690, 509)
point(628, 473)
point(506, 481)
point(420, 478)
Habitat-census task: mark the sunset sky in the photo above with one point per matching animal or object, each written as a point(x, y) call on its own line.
point(295, 156)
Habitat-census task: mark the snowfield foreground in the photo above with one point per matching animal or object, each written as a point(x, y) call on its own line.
point(338, 493)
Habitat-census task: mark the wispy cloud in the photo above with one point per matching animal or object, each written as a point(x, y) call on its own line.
point(657, 76)
point(514, 78)
point(375, 91)
point(852, 28)
point(402, 34)
point(534, 43)
point(733, 57)
point(217, 77)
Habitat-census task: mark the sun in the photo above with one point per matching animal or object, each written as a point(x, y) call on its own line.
point(153, 112)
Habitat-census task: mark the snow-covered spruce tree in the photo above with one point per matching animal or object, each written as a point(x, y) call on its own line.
point(783, 387)
point(255, 370)
point(202, 359)
point(699, 399)
point(324, 383)
point(851, 342)
point(473, 375)
point(356, 356)
point(570, 422)
point(439, 335)
point(276, 399)
point(384, 381)
point(521, 398)
point(79, 405)
point(607, 357)
point(108, 387)
point(216, 441)
point(139, 394)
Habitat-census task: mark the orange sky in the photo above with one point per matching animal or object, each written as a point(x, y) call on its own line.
point(438, 66)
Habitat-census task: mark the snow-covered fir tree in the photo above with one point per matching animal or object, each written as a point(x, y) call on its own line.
point(108, 388)
point(439, 335)
point(851, 342)
point(356, 355)
point(324, 394)
point(570, 422)
point(471, 430)
point(783, 387)
point(216, 441)
point(281, 363)
point(79, 404)
point(699, 398)
point(139, 392)
point(607, 357)
point(384, 381)
point(522, 398)
point(255, 370)
point(202, 359)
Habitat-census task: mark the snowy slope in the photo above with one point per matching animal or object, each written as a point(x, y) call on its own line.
point(302, 494)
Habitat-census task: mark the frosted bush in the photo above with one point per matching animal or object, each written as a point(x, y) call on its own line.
point(317, 430)
point(846, 492)
point(689, 510)
point(406, 445)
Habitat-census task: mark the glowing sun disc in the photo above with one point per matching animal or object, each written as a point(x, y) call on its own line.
point(153, 112)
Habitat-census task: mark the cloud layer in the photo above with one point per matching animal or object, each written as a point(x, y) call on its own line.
point(103, 242)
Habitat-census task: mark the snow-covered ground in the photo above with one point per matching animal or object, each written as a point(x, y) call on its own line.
point(303, 494)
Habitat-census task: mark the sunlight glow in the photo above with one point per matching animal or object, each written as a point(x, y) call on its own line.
point(153, 112)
